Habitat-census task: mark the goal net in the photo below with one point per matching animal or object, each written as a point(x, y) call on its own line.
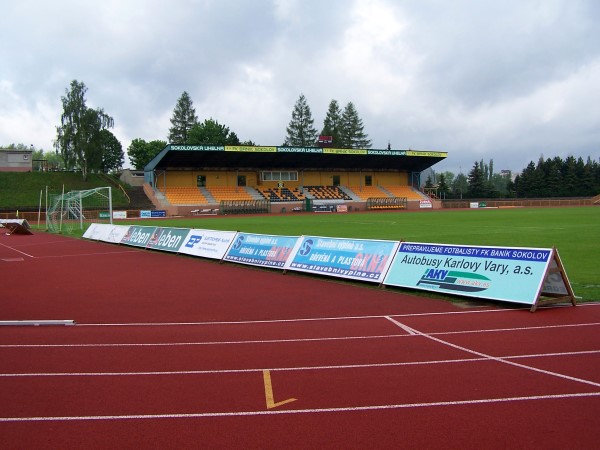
point(70, 211)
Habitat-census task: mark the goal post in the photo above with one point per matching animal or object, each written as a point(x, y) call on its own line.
point(70, 211)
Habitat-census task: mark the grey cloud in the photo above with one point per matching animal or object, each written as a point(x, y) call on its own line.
point(495, 80)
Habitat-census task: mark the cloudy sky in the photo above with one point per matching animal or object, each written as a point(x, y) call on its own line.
point(507, 80)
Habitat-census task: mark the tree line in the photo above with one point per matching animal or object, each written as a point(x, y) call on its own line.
point(552, 177)
point(84, 141)
point(344, 126)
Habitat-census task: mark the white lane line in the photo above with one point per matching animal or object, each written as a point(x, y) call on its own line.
point(175, 344)
point(300, 411)
point(493, 330)
point(318, 319)
point(408, 330)
point(290, 369)
point(68, 256)
point(503, 360)
point(18, 251)
point(85, 254)
point(401, 325)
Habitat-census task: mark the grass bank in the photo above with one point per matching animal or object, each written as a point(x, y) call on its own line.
point(22, 190)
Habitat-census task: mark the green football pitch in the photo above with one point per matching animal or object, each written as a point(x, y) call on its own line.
point(575, 232)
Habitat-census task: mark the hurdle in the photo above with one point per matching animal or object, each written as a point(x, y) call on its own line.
point(16, 226)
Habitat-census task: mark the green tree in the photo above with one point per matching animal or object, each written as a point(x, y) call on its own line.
point(428, 183)
point(571, 180)
point(301, 131)
point(476, 182)
point(211, 132)
point(448, 176)
point(112, 152)
point(588, 184)
point(460, 185)
point(524, 181)
point(332, 125)
point(79, 138)
point(443, 188)
point(498, 185)
point(55, 161)
point(141, 152)
point(353, 135)
point(183, 119)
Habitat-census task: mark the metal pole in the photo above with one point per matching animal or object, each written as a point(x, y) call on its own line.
point(110, 204)
point(46, 208)
point(40, 209)
point(62, 200)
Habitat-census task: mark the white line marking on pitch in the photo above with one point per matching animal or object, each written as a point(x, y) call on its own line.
point(504, 361)
point(300, 411)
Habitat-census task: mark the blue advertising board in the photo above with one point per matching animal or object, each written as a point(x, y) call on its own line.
point(358, 259)
point(495, 273)
point(261, 249)
point(152, 214)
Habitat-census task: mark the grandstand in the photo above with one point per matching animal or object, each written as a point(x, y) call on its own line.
point(184, 178)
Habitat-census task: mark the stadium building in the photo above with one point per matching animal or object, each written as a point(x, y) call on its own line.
point(194, 179)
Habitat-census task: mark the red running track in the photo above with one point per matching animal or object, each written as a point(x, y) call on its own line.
point(177, 352)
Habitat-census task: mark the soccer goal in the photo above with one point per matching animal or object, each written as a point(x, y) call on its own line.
point(70, 211)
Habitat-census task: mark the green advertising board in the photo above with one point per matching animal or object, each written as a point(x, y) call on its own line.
point(138, 236)
point(167, 239)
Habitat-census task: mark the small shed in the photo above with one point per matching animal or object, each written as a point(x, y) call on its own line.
point(15, 160)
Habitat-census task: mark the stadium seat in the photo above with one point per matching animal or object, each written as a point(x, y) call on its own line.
point(177, 195)
point(221, 193)
point(365, 192)
point(405, 191)
point(327, 193)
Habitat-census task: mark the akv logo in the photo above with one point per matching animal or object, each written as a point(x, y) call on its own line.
point(306, 247)
point(454, 281)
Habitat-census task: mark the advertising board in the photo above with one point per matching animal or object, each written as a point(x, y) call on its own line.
point(167, 239)
point(497, 273)
point(138, 236)
point(207, 243)
point(358, 259)
point(261, 249)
